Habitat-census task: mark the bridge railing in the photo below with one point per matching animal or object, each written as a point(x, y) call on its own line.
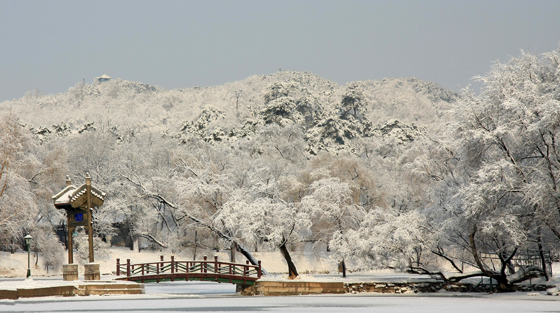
point(210, 267)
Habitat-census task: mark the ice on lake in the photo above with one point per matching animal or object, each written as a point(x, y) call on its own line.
point(215, 297)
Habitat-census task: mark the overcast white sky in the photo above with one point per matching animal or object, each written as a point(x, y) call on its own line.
point(52, 45)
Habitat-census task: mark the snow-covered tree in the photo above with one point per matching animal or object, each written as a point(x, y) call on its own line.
point(18, 208)
point(332, 210)
point(385, 238)
point(353, 104)
point(254, 218)
point(46, 244)
point(501, 195)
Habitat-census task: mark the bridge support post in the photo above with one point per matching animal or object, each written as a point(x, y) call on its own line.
point(127, 267)
point(172, 268)
point(118, 267)
point(245, 289)
point(259, 270)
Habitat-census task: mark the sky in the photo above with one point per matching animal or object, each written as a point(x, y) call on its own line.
point(52, 45)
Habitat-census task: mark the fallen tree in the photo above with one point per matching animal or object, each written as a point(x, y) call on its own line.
point(523, 274)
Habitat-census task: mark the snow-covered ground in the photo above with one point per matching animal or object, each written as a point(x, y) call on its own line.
point(312, 266)
point(15, 265)
point(205, 301)
point(214, 297)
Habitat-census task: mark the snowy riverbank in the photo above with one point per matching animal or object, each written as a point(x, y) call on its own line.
point(308, 262)
point(312, 268)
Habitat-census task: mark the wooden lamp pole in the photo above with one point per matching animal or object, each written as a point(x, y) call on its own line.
point(90, 217)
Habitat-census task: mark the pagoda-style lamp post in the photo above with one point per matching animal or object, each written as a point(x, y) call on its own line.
point(78, 202)
point(28, 239)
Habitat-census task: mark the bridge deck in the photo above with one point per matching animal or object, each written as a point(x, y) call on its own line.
point(205, 270)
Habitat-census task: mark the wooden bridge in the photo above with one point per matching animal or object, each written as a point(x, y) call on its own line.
point(205, 270)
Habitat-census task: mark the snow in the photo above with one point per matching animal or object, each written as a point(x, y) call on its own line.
point(15, 265)
point(190, 288)
point(55, 281)
point(215, 297)
point(64, 195)
point(339, 303)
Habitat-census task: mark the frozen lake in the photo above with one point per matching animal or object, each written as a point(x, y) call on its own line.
point(190, 288)
point(213, 297)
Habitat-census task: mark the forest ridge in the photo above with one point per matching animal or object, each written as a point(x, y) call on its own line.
point(132, 104)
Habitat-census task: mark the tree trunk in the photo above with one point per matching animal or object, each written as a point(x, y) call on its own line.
point(232, 250)
point(195, 244)
point(291, 266)
point(216, 243)
point(503, 283)
point(500, 278)
point(136, 244)
point(343, 265)
point(541, 252)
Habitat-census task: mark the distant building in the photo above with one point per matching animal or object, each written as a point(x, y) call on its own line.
point(102, 78)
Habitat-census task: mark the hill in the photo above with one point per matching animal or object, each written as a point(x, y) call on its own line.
point(275, 142)
point(137, 105)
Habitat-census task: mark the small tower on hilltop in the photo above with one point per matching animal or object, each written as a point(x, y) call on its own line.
point(102, 78)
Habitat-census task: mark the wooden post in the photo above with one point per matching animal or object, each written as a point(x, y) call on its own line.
point(90, 218)
point(70, 229)
point(216, 270)
point(259, 272)
point(172, 268)
point(127, 267)
point(203, 266)
point(70, 242)
point(161, 258)
point(118, 267)
point(157, 272)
